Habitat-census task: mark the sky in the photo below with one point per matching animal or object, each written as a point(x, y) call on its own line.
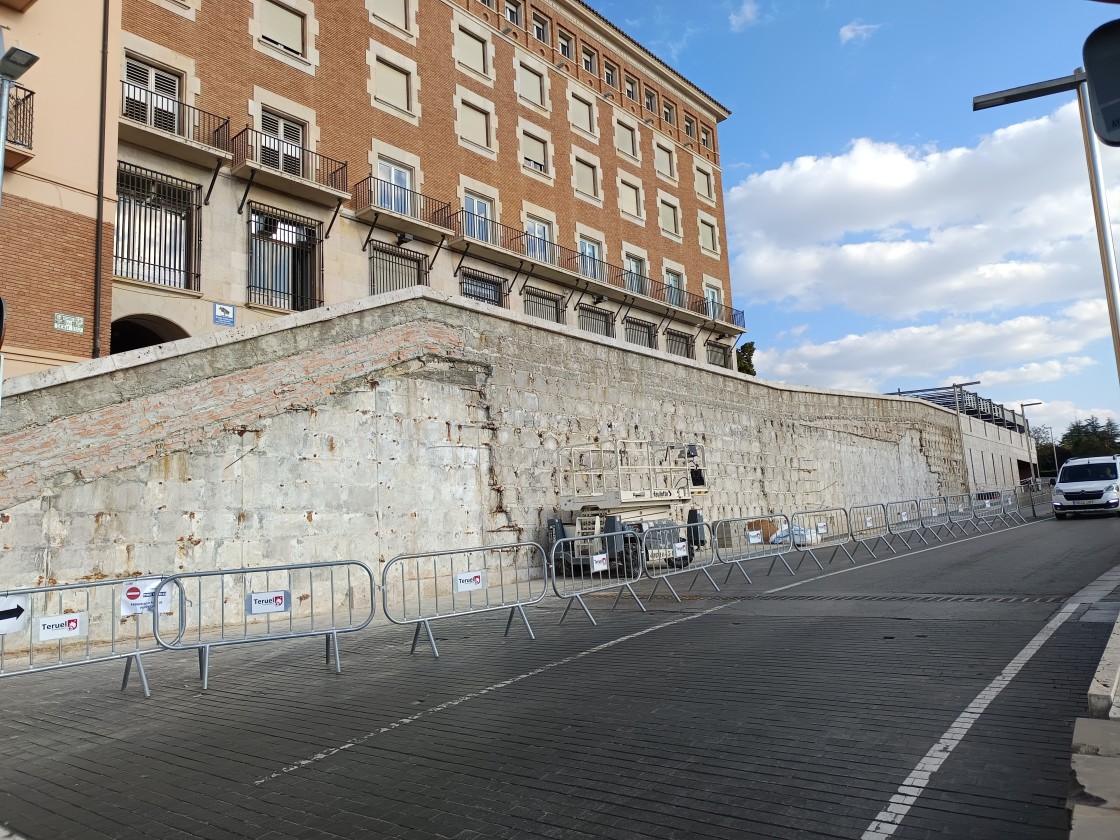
point(883, 236)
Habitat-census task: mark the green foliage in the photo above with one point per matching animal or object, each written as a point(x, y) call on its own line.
point(1086, 438)
point(744, 358)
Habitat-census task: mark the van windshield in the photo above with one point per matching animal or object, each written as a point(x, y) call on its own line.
point(1088, 472)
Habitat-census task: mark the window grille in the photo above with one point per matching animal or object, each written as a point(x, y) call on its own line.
point(719, 355)
point(285, 259)
point(641, 332)
point(391, 269)
point(679, 344)
point(158, 235)
point(477, 285)
point(544, 305)
point(595, 320)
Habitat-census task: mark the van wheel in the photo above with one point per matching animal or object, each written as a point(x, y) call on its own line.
point(1059, 516)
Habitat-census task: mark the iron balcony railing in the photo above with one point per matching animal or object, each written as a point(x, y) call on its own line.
point(148, 107)
point(481, 229)
point(21, 116)
point(373, 193)
point(276, 153)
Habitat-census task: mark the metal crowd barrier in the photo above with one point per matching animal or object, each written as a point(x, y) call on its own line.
point(816, 529)
point(987, 507)
point(870, 527)
point(44, 628)
point(935, 516)
point(670, 550)
point(905, 518)
point(447, 584)
point(1010, 501)
point(584, 565)
point(269, 603)
point(750, 538)
point(961, 514)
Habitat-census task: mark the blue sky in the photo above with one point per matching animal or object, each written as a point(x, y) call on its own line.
point(883, 235)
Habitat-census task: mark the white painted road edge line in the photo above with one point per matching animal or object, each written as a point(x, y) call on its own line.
point(889, 819)
point(489, 689)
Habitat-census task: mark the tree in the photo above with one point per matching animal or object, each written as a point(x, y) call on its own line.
point(1086, 438)
point(744, 358)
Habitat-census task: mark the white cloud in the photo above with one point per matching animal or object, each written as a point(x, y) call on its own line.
point(857, 32)
point(746, 15)
point(1059, 414)
point(1052, 370)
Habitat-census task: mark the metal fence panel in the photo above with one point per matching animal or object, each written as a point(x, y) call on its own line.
point(598, 563)
point(987, 506)
point(870, 527)
point(751, 538)
point(48, 627)
point(669, 550)
point(241, 606)
point(420, 588)
point(904, 519)
point(960, 510)
point(813, 530)
point(935, 516)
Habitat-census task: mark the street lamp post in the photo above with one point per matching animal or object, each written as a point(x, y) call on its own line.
point(13, 63)
point(1032, 453)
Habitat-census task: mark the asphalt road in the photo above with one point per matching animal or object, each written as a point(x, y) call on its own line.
point(928, 695)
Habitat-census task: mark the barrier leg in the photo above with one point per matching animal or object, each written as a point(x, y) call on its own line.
point(431, 638)
point(204, 666)
point(521, 610)
point(655, 588)
point(808, 552)
point(704, 569)
point(738, 564)
point(844, 548)
point(887, 543)
point(777, 557)
point(671, 589)
point(573, 600)
point(327, 640)
point(139, 670)
point(634, 595)
point(874, 556)
point(332, 640)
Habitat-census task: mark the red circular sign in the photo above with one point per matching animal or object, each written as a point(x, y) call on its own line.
point(132, 593)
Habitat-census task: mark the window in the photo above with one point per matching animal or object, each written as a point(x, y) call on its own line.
point(690, 127)
point(669, 112)
point(544, 305)
point(663, 160)
point(281, 143)
point(394, 187)
point(284, 259)
point(719, 355)
point(595, 320)
point(513, 12)
point(713, 301)
point(392, 269)
point(631, 88)
point(651, 101)
point(471, 51)
point(589, 59)
point(668, 216)
point(157, 235)
point(474, 124)
point(541, 28)
point(587, 178)
point(674, 288)
point(281, 27)
point(392, 11)
point(705, 137)
point(151, 96)
point(394, 86)
point(530, 84)
point(538, 240)
point(477, 285)
point(536, 153)
point(590, 258)
point(635, 275)
point(626, 139)
point(583, 115)
point(478, 212)
point(610, 74)
point(703, 183)
point(679, 344)
point(566, 44)
point(708, 239)
point(641, 332)
point(630, 199)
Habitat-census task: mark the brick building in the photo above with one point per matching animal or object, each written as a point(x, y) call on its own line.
point(269, 156)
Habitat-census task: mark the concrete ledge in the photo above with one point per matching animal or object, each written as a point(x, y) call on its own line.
point(1102, 690)
point(1094, 799)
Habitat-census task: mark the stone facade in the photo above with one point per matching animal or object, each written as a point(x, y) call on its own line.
point(408, 422)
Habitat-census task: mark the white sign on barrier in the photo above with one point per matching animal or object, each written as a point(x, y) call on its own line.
point(139, 597)
point(680, 549)
point(258, 603)
point(870, 521)
point(470, 581)
point(822, 527)
point(905, 516)
point(66, 626)
point(754, 537)
point(13, 613)
point(600, 563)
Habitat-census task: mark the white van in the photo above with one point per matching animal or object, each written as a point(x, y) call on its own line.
point(1088, 485)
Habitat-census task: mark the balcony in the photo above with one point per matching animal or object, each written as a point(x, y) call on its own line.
point(400, 209)
point(166, 125)
point(285, 167)
point(511, 247)
point(21, 121)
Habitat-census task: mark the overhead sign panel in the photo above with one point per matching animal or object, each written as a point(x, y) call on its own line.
point(1101, 55)
point(13, 613)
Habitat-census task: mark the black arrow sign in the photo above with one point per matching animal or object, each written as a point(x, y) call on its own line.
point(15, 612)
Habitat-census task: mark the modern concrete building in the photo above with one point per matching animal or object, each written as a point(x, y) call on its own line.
point(269, 156)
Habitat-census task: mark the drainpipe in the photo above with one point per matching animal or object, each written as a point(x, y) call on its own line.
point(99, 235)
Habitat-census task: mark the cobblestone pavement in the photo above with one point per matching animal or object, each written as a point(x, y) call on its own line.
point(793, 707)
